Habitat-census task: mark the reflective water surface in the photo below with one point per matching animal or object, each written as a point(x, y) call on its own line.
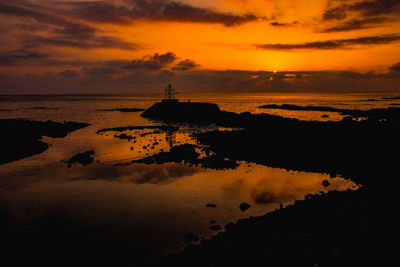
point(153, 204)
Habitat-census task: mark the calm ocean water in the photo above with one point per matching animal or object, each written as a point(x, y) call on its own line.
point(151, 204)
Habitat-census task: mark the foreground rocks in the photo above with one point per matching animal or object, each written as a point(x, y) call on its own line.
point(336, 229)
point(20, 138)
point(84, 158)
point(187, 154)
point(391, 113)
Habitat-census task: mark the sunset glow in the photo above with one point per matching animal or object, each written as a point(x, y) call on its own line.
point(49, 43)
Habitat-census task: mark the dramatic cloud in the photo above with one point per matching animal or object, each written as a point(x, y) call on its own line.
point(368, 8)
point(361, 14)
point(121, 46)
point(333, 44)
point(376, 7)
point(279, 24)
point(356, 24)
point(60, 31)
point(186, 64)
point(154, 62)
point(53, 20)
point(81, 41)
point(395, 67)
point(334, 13)
point(101, 11)
point(18, 56)
point(97, 80)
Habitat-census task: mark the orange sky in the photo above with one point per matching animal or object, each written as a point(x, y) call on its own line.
point(47, 36)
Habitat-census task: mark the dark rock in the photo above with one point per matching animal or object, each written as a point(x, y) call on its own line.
point(124, 136)
point(81, 158)
point(361, 150)
point(211, 205)
point(20, 138)
point(190, 237)
point(186, 153)
point(215, 227)
point(244, 206)
point(392, 98)
point(326, 183)
point(347, 119)
point(182, 111)
point(392, 114)
point(131, 128)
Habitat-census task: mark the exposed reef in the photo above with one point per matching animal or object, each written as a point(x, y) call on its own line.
point(323, 230)
point(207, 113)
point(125, 136)
point(244, 206)
point(187, 154)
point(29, 108)
point(337, 228)
point(390, 113)
point(182, 111)
point(190, 237)
point(20, 138)
point(130, 128)
point(215, 227)
point(84, 158)
point(392, 98)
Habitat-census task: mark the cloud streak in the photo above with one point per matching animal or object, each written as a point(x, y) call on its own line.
point(280, 24)
point(332, 44)
point(18, 56)
point(154, 10)
point(61, 31)
point(81, 41)
point(357, 24)
point(361, 14)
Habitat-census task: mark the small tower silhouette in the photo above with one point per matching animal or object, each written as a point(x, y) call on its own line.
point(169, 92)
point(170, 95)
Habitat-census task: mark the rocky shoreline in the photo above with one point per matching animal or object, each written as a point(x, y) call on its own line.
point(337, 228)
point(20, 138)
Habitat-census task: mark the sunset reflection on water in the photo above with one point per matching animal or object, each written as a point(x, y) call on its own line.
point(154, 205)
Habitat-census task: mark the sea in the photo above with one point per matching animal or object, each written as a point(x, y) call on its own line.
point(154, 205)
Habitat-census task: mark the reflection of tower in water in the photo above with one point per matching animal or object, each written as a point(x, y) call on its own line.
point(170, 137)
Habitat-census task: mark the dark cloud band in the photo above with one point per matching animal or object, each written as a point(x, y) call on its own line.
point(157, 11)
point(332, 44)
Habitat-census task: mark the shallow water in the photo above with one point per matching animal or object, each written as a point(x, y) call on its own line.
point(155, 204)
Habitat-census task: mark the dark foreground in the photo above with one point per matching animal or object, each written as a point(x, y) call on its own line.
point(349, 228)
point(335, 229)
point(20, 138)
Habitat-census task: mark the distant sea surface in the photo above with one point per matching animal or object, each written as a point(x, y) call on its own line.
point(155, 205)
